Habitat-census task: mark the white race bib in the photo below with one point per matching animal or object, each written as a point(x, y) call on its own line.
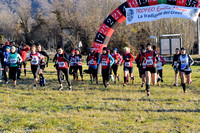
point(92, 62)
point(104, 63)
point(149, 62)
point(34, 61)
point(61, 64)
point(127, 64)
point(13, 61)
point(175, 63)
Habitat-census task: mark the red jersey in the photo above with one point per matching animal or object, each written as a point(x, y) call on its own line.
point(150, 59)
point(24, 51)
point(116, 58)
point(105, 61)
point(128, 63)
point(35, 58)
point(62, 64)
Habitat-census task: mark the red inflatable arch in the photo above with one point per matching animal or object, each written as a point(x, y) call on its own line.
point(119, 15)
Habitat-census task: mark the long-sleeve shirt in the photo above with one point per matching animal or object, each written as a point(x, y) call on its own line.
point(44, 54)
point(24, 52)
point(109, 56)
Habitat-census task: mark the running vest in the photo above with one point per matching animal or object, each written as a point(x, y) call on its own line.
point(92, 60)
point(116, 58)
point(34, 58)
point(127, 63)
point(78, 60)
point(150, 59)
point(159, 64)
point(13, 59)
point(184, 62)
point(72, 60)
point(62, 64)
point(105, 61)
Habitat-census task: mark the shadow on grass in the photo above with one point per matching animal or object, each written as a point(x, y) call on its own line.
point(174, 110)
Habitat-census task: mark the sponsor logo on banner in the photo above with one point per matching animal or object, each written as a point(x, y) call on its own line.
point(152, 13)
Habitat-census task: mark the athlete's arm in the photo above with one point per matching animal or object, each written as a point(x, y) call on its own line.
point(19, 58)
point(112, 59)
point(99, 60)
point(191, 60)
point(120, 57)
point(163, 60)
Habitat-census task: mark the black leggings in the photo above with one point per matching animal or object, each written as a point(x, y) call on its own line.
point(106, 76)
point(23, 64)
point(6, 67)
point(80, 68)
point(160, 73)
point(35, 70)
point(114, 69)
point(94, 73)
point(71, 71)
point(13, 73)
point(66, 72)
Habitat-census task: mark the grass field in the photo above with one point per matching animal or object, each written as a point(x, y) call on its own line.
point(91, 108)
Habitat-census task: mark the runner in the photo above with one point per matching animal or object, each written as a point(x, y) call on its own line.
point(128, 65)
point(150, 71)
point(14, 59)
point(175, 66)
point(34, 57)
point(78, 64)
point(185, 62)
point(118, 60)
point(92, 63)
point(138, 60)
point(23, 54)
point(6, 64)
point(42, 64)
point(62, 62)
point(72, 64)
point(142, 66)
point(107, 61)
point(160, 63)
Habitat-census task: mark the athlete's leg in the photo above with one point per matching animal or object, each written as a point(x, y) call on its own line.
point(148, 80)
point(66, 72)
point(183, 81)
point(189, 80)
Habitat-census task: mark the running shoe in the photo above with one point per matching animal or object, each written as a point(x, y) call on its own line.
point(6, 83)
point(60, 88)
point(125, 84)
point(162, 80)
point(175, 84)
point(148, 94)
point(34, 87)
point(142, 85)
point(115, 82)
point(70, 88)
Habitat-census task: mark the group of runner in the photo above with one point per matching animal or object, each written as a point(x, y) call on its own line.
point(149, 63)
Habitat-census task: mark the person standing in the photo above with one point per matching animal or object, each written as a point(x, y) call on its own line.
point(24, 49)
point(118, 60)
point(185, 62)
point(72, 64)
point(42, 64)
point(78, 64)
point(150, 71)
point(175, 65)
point(92, 61)
point(62, 63)
point(107, 61)
point(34, 58)
point(14, 59)
point(128, 65)
point(6, 64)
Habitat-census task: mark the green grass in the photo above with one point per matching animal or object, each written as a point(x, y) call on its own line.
point(91, 108)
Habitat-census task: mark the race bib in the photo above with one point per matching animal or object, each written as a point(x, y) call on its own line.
point(76, 60)
point(13, 61)
point(92, 62)
point(34, 61)
point(104, 63)
point(61, 64)
point(127, 64)
point(149, 62)
point(175, 63)
point(143, 65)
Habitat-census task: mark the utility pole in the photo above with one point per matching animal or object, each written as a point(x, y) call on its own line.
point(198, 45)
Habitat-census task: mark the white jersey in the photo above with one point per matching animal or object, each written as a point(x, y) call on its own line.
point(159, 64)
point(184, 62)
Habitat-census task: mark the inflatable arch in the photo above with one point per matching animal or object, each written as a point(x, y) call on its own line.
point(119, 15)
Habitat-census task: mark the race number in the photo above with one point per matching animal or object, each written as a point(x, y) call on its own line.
point(34, 61)
point(92, 62)
point(13, 61)
point(104, 63)
point(149, 62)
point(127, 64)
point(61, 64)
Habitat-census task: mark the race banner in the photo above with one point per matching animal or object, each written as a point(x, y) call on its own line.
point(152, 13)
